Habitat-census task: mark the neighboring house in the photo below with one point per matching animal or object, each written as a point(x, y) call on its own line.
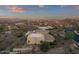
point(76, 38)
point(21, 50)
point(20, 23)
point(62, 33)
point(45, 27)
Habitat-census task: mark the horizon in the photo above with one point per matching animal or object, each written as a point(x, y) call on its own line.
point(39, 11)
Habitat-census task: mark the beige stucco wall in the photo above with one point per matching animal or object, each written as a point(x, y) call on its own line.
point(35, 38)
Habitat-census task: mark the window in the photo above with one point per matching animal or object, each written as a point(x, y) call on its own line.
point(28, 41)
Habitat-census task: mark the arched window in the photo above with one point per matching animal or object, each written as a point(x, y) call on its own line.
point(28, 41)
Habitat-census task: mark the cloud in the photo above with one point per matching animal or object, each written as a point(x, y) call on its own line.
point(41, 6)
point(16, 9)
point(62, 6)
point(75, 7)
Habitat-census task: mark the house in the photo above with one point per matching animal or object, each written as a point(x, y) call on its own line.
point(21, 50)
point(45, 27)
point(37, 36)
point(76, 38)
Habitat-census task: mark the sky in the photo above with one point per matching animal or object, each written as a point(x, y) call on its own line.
point(52, 11)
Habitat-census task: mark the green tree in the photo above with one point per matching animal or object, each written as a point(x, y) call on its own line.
point(2, 28)
point(69, 35)
point(44, 47)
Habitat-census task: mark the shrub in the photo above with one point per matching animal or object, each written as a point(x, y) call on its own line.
point(44, 47)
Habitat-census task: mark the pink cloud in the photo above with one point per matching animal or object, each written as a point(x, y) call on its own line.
point(16, 9)
point(75, 6)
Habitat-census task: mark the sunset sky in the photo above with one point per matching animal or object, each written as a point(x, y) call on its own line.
point(55, 11)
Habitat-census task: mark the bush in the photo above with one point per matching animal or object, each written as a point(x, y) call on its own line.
point(44, 47)
point(69, 35)
point(2, 28)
